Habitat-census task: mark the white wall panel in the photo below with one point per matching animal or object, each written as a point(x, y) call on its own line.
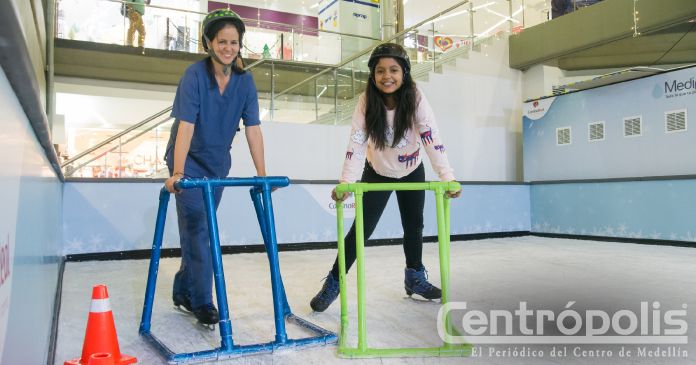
point(654, 152)
point(299, 151)
point(108, 217)
point(30, 230)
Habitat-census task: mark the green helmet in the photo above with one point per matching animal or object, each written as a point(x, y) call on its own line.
point(217, 15)
point(389, 50)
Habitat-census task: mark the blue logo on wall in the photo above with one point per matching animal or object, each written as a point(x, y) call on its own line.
point(657, 91)
point(360, 16)
point(676, 88)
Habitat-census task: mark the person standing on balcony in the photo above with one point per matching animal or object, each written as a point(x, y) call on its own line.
point(214, 94)
point(135, 9)
point(392, 124)
point(561, 7)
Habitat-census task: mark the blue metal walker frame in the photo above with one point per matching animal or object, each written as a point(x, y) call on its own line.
point(261, 196)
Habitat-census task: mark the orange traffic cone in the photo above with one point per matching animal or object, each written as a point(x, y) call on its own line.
point(100, 337)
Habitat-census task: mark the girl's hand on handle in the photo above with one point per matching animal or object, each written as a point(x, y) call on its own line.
point(454, 194)
point(336, 198)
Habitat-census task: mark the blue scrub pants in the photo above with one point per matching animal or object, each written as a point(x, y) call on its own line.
point(195, 276)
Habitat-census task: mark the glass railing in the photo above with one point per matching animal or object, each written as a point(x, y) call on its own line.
point(137, 151)
point(300, 92)
point(441, 38)
point(175, 29)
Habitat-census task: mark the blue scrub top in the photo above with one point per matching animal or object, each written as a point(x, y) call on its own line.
point(216, 118)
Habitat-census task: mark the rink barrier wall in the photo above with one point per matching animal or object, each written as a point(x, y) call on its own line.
point(286, 247)
point(304, 246)
point(100, 224)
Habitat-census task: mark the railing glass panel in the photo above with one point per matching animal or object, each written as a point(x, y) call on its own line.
point(175, 29)
point(136, 153)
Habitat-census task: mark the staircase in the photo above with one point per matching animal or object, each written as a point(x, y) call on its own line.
point(419, 71)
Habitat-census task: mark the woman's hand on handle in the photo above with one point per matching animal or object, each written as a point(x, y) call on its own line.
point(184, 134)
point(169, 183)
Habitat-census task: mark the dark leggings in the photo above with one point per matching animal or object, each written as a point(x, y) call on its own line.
point(410, 207)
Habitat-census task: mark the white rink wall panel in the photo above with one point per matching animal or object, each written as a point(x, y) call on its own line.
point(30, 236)
point(638, 128)
point(110, 217)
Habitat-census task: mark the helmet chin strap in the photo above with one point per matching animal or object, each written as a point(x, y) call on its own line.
point(226, 68)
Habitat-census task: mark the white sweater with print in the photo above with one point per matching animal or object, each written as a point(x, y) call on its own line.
point(402, 159)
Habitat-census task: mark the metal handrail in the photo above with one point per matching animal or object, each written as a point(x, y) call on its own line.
point(119, 145)
point(256, 63)
point(116, 136)
point(260, 61)
point(370, 48)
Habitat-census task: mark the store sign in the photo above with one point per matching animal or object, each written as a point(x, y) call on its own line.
point(677, 88)
point(328, 15)
point(538, 108)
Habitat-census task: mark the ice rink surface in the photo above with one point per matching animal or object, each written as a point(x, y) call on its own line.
point(491, 274)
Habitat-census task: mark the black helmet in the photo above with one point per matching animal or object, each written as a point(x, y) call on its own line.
point(389, 50)
point(217, 15)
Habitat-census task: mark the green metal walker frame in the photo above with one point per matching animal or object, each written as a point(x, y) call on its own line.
point(443, 231)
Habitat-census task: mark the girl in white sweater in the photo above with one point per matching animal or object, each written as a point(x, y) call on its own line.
point(392, 124)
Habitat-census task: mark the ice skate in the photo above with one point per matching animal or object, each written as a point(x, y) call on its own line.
point(416, 282)
point(207, 316)
point(326, 295)
point(182, 303)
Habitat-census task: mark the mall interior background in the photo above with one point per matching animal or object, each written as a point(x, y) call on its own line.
point(89, 111)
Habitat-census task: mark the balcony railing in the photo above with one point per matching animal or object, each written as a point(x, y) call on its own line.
point(175, 29)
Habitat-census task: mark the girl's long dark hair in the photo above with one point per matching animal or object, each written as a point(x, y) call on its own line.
point(376, 110)
point(238, 64)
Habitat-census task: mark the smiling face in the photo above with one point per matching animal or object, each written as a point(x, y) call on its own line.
point(226, 44)
point(389, 76)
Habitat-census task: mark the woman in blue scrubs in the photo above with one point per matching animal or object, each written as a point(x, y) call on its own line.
point(213, 96)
